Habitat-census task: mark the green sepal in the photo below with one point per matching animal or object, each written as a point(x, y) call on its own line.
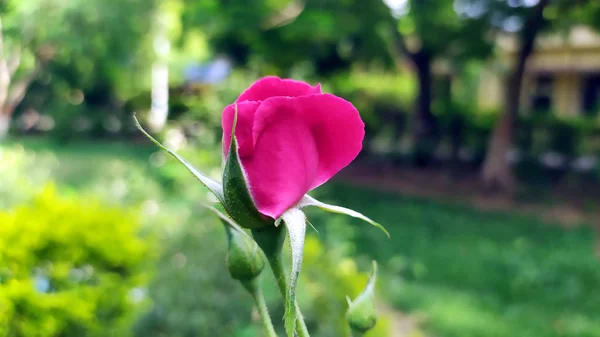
point(310, 201)
point(238, 200)
point(214, 186)
point(362, 314)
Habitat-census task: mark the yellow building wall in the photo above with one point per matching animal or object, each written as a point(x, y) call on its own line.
point(491, 91)
point(568, 62)
point(566, 95)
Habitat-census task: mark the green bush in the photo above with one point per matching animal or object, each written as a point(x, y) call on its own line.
point(70, 267)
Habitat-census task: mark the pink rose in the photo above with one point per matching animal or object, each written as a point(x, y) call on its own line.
point(291, 139)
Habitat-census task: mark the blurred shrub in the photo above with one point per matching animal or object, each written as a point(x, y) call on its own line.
point(70, 267)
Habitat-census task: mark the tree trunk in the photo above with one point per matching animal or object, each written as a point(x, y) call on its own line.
point(496, 170)
point(4, 125)
point(426, 128)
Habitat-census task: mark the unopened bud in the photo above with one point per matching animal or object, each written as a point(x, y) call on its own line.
point(361, 314)
point(245, 259)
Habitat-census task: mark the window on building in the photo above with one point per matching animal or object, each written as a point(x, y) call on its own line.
point(541, 100)
point(591, 95)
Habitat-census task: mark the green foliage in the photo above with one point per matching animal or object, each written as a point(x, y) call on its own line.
point(60, 257)
point(278, 35)
point(117, 40)
point(92, 56)
point(379, 96)
point(471, 273)
point(440, 30)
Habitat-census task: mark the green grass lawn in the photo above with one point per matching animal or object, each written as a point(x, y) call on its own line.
point(463, 272)
point(470, 273)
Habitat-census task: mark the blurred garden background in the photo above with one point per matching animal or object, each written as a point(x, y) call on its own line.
point(481, 157)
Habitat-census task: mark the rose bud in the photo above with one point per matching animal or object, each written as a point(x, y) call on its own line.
point(291, 138)
point(361, 314)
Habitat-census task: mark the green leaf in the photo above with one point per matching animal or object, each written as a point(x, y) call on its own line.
point(212, 185)
point(238, 200)
point(295, 222)
point(310, 201)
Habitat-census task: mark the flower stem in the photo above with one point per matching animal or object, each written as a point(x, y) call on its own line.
point(270, 239)
point(259, 299)
point(281, 277)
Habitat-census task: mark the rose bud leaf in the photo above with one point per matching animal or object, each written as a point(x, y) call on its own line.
point(214, 186)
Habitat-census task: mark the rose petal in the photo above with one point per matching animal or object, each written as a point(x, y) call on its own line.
point(272, 86)
point(335, 125)
point(243, 128)
point(284, 164)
